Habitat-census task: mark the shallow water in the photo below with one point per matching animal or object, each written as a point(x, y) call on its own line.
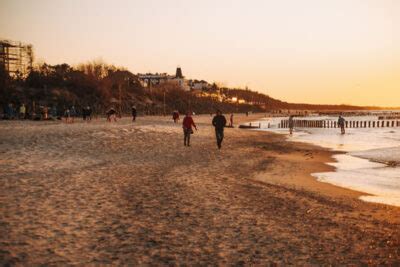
point(382, 182)
point(372, 161)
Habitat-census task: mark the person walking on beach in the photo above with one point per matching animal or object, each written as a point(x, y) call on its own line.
point(73, 114)
point(341, 123)
point(88, 114)
point(187, 124)
point(175, 116)
point(53, 112)
point(134, 113)
point(111, 115)
point(45, 113)
point(84, 113)
point(10, 112)
point(67, 115)
point(291, 124)
point(231, 120)
point(22, 112)
point(219, 122)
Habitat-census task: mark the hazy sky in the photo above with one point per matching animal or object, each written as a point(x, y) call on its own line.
point(315, 51)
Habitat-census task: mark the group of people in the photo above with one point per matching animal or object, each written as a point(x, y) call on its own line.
point(10, 112)
point(43, 112)
point(219, 123)
point(36, 112)
point(341, 123)
point(70, 114)
point(111, 114)
point(188, 124)
point(87, 113)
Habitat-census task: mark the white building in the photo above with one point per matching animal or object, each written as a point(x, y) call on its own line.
point(148, 80)
point(198, 85)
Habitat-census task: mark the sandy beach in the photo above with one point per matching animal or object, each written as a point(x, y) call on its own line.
point(131, 193)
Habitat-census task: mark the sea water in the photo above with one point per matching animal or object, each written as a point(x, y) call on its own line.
point(371, 163)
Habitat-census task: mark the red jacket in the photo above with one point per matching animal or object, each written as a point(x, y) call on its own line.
point(188, 122)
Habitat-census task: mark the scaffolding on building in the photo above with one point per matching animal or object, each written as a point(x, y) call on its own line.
point(16, 58)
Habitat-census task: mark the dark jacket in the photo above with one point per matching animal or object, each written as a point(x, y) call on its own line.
point(341, 121)
point(291, 122)
point(219, 122)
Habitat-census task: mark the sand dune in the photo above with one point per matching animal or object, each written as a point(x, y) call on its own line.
point(123, 193)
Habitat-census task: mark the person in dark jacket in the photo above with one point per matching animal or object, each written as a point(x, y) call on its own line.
point(187, 124)
point(88, 113)
point(291, 124)
point(219, 122)
point(134, 113)
point(341, 124)
point(231, 120)
point(53, 112)
point(73, 113)
point(175, 116)
point(111, 115)
point(84, 115)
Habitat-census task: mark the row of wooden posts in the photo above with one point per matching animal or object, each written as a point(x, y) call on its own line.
point(334, 124)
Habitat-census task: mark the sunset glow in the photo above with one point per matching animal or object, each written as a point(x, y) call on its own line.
point(323, 52)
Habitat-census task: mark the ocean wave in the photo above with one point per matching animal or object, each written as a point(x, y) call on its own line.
point(389, 156)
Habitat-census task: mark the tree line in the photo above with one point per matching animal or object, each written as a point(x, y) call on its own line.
point(102, 86)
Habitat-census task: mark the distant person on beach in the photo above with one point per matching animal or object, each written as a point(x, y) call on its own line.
point(53, 112)
point(88, 113)
point(84, 113)
point(291, 124)
point(41, 112)
point(219, 122)
point(67, 115)
point(175, 116)
point(341, 123)
point(231, 120)
point(187, 124)
point(10, 112)
point(111, 115)
point(73, 114)
point(45, 113)
point(22, 112)
point(4, 113)
point(134, 113)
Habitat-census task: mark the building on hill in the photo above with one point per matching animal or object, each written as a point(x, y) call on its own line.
point(16, 58)
point(149, 79)
point(196, 85)
point(179, 73)
point(180, 80)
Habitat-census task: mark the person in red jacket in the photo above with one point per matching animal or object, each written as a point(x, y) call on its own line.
point(187, 124)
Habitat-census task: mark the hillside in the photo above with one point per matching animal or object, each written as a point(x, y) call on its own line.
point(102, 86)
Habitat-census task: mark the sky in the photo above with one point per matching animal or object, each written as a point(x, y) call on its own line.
point(308, 51)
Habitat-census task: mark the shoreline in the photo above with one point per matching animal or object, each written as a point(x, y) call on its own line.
point(339, 163)
point(321, 164)
point(304, 176)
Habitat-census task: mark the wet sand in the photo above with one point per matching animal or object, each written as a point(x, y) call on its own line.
point(124, 193)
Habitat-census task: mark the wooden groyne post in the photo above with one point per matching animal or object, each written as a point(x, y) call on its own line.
point(334, 124)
